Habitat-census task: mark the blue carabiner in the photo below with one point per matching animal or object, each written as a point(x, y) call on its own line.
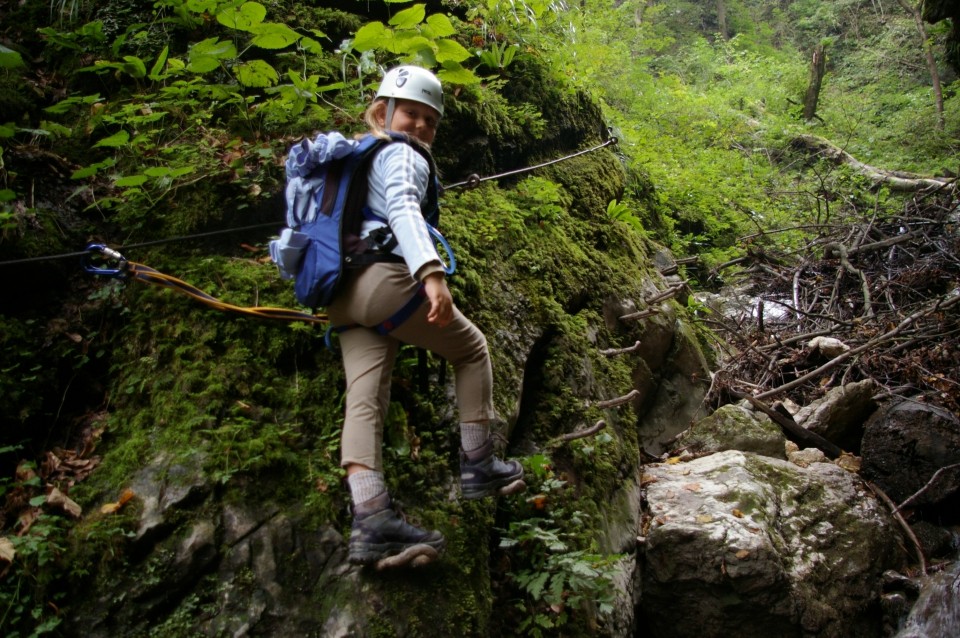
point(452, 266)
point(103, 250)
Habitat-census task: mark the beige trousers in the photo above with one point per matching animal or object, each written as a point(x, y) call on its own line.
point(370, 296)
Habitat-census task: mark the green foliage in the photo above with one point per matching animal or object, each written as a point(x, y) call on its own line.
point(418, 39)
point(177, 113)
point(28, 592)
point(555, 568)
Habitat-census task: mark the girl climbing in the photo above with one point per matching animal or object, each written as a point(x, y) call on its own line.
point(409, 101)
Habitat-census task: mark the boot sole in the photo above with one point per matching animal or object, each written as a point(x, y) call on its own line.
point(416, 556)
point(393, 553)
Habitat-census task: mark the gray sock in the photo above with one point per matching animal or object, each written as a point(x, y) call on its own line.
point(365, 485)
point(473, 435)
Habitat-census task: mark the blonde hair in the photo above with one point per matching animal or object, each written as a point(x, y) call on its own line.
point(374, 114)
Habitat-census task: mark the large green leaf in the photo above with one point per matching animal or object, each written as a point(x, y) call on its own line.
point(214, 47)
point(114, 141)
point(371, 36)
point(205, 55)
point(9, 59)
point(408, 43)
point(409, 18)
point(131, 180)
point(439, 26)
point(453, 73)
point(202, 63)
point(134, 66)
point(451, 50)
point(311, 46)
point(244, 17)
point(158, 66)
point(256, 73)
point(272, 35)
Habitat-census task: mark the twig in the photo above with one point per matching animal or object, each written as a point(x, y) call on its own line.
point(612, 403)
point(903, 524)
point(923, 489)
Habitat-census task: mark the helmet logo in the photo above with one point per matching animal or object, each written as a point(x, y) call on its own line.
point(402, 76)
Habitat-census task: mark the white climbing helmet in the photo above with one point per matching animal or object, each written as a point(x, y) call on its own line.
point(410, 82)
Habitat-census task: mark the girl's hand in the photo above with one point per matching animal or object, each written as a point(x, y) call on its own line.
point(441, 301)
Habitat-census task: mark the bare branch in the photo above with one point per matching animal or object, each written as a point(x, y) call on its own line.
point(903, 525)
point(933, 479)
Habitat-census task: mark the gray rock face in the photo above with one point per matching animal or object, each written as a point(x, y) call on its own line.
point(840, 415)
point(743, 545)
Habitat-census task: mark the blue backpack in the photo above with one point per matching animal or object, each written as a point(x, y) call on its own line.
point(326, 197)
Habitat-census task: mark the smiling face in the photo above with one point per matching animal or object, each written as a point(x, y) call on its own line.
point(415, 119)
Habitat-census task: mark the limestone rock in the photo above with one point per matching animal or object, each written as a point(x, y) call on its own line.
point(840, 415)
point(743, 545)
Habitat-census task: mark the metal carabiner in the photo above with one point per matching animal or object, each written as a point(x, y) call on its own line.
point(108, 253)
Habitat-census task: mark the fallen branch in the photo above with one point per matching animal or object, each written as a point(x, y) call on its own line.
point(877, 175)
point(791, 428)
point(903, 524)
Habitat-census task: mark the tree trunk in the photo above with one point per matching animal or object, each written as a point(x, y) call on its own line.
point(722, 19)
point(915, 13)
point(818, 66)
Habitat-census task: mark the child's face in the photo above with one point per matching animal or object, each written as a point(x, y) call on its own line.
point(415, 119)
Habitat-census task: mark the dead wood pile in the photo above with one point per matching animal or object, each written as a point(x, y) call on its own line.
point(877, 298)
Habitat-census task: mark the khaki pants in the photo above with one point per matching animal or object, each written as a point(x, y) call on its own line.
point(369, 297)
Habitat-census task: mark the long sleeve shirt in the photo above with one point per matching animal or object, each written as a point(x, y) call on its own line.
point(398, 177)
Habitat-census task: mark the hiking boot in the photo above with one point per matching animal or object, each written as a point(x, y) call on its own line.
point(379, 531)
point(483, 474)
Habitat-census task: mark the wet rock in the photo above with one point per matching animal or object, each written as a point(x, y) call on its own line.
point(936, 614)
